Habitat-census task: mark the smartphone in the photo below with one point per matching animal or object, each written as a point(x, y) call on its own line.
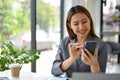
point(90, 45)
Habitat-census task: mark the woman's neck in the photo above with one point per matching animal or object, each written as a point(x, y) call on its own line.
point(81, 40)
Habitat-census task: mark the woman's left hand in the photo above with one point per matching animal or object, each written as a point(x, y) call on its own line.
point(91, 60)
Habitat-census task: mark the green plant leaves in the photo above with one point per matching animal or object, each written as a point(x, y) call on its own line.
point(9, 55)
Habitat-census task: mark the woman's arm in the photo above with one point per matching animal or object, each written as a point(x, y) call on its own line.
point(67, 63)
point(66, 55)
point(62, 54)
point(56, 70)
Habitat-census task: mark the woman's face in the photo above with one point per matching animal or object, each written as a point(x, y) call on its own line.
point(80, 24)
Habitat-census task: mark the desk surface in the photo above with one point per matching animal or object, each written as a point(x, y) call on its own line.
point(29, 76)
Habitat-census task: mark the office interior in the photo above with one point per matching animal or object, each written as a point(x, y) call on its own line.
point(105, 14)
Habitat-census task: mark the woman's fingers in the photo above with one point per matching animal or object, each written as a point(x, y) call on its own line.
point(96, 52)
point(85, 57)
point(88, 53)
point(75, 46)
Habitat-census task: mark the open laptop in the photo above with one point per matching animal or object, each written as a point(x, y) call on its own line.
point(92, 76)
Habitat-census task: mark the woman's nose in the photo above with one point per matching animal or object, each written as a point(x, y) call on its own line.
point(81, 26)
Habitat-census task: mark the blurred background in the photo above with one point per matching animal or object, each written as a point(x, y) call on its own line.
point(21, 20)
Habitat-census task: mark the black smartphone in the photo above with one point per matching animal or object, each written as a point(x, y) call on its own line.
point(90, 45)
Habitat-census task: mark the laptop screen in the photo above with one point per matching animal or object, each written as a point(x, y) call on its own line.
point(93, 76)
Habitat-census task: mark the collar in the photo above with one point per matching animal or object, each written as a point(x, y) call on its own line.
point(89, 38)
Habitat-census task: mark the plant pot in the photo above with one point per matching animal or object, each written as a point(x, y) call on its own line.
point(15, 70)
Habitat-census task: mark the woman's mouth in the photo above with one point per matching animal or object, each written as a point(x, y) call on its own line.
point(82, 32)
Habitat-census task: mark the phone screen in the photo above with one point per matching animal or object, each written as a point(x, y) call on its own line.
point(90, 45)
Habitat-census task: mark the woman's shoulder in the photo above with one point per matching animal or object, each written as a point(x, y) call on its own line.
point(100, 42)
point(98, 39)
point(66, 40)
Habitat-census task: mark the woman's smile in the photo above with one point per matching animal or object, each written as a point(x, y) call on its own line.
point(82, 32)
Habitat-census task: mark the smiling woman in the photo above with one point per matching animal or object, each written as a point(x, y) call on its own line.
point(71, 57)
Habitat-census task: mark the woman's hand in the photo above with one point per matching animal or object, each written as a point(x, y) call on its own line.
point(75, 49)
point(91, 60)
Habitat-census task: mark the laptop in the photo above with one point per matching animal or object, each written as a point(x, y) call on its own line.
point(4, 78)
point(93, 76)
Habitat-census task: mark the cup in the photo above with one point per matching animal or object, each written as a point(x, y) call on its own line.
point(15, 70)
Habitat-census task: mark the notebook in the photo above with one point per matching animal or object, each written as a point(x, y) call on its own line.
point(92, 76)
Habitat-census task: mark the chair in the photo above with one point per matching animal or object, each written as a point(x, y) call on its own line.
point(114, 48)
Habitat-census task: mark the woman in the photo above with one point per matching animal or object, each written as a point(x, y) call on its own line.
point(70, 55)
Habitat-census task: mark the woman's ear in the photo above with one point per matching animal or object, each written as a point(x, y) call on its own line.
point(69, 25)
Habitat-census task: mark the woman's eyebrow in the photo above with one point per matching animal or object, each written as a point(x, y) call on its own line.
point(84, 19)
point(81, 20)
point(74, 21)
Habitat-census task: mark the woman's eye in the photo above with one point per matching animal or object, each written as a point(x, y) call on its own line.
point(75, 24)
point(84, 22)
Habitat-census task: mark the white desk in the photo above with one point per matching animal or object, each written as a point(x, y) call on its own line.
point(29, 76)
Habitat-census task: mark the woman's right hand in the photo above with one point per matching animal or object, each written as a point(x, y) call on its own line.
point(74, 49)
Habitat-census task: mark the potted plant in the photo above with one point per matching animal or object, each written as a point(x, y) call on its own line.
point(9, 55)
